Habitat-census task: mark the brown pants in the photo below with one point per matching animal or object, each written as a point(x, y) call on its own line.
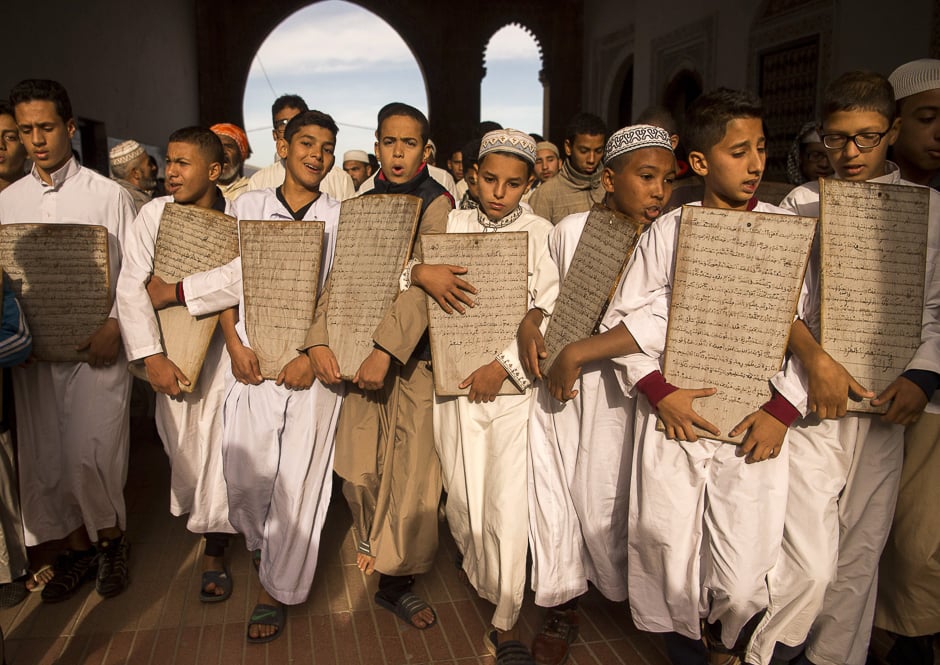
point(909, 582)
point(392, 476)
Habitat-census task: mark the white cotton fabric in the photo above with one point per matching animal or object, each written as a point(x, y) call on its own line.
point(278, 444)
point(482, 448)
point(704, 527)
point(73, 423)
point(579, 464)
point(844, 479)
point(190, 426)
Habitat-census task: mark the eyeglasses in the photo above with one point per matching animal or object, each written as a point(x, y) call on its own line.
point(281, 125)
point(863, 141)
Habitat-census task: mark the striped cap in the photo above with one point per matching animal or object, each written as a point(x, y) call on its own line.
point(914, 77)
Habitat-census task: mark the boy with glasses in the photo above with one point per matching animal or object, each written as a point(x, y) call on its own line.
point(336, 182)
point(844, 469)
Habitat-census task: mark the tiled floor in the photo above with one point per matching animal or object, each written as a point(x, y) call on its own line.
point(159, 619)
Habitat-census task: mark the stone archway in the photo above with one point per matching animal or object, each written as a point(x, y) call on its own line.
point(447, 40)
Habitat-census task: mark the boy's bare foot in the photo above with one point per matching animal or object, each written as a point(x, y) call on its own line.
point(365, 562)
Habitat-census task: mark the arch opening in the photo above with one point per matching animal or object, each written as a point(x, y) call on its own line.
point(511, 92)
point(343, 60)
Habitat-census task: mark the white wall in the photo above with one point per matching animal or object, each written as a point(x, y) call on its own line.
point(865, 35)
point(131, 65)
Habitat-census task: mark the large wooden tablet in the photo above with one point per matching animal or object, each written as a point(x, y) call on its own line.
point(497, 265)
point(737, 283)
point(280, 275)
point(61, 275)
point(373, 245)
point(873, 244)
point(604, 248)
point(190, 240)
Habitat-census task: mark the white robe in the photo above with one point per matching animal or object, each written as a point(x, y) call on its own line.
point(73, 424)
point(482, 448)
point(277, 444)
point(336, 182)
point(189, 426)
point(844, 477)
point(704, 527)
point(579, 461)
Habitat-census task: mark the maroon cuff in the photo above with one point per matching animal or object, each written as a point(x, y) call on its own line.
point(180, 296)
point(655, 387)
point(781, 409)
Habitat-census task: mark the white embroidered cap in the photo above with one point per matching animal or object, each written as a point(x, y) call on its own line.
point(914, 77)
point(125, 152)
point(508, 140)
point(636, 137)
point(356, 156)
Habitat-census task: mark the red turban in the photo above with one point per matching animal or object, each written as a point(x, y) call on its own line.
point(235, 133)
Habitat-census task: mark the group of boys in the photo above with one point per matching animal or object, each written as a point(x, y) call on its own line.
point(762, 552)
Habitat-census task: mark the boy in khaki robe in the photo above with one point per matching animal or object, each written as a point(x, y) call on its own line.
point(384, 440)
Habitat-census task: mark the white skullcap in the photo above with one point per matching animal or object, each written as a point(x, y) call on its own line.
point(914, 77)
point(126, 152)
point(356, 156)
point(508, 140)
point(547, 145)
point(636, 137)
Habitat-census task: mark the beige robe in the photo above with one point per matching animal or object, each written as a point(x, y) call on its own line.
point(567, 193)
point(384, 439)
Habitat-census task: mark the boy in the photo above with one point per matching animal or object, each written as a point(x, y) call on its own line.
point(189, 424)
point(73, 419)
point(481, 438)
point(384, 440)
point(844, 468)
point(336, 183)
point(577, 186)
point(909, 582)
point(277, 441)
point(12, 151)
point(692, 553)
point(580, 440)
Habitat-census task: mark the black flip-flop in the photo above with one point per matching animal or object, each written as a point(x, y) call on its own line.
point(408, 605)
point(222, 580)
point(267, 615)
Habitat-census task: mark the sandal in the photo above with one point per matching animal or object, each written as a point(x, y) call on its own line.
point(221, 579)
point(513, 652)
point(491, 641)
point(407, 606)
point(267, 615)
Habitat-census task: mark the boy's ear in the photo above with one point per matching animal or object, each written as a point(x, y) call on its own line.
point(215, 170)
point(893, 131)
point(282, 146)
point(698, 163)
point(70, 127)
point(674, 140)
point(567, 147)
point(607, 179)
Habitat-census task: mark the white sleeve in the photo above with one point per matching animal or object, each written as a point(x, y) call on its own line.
point(136, 316)
point(214, 290)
